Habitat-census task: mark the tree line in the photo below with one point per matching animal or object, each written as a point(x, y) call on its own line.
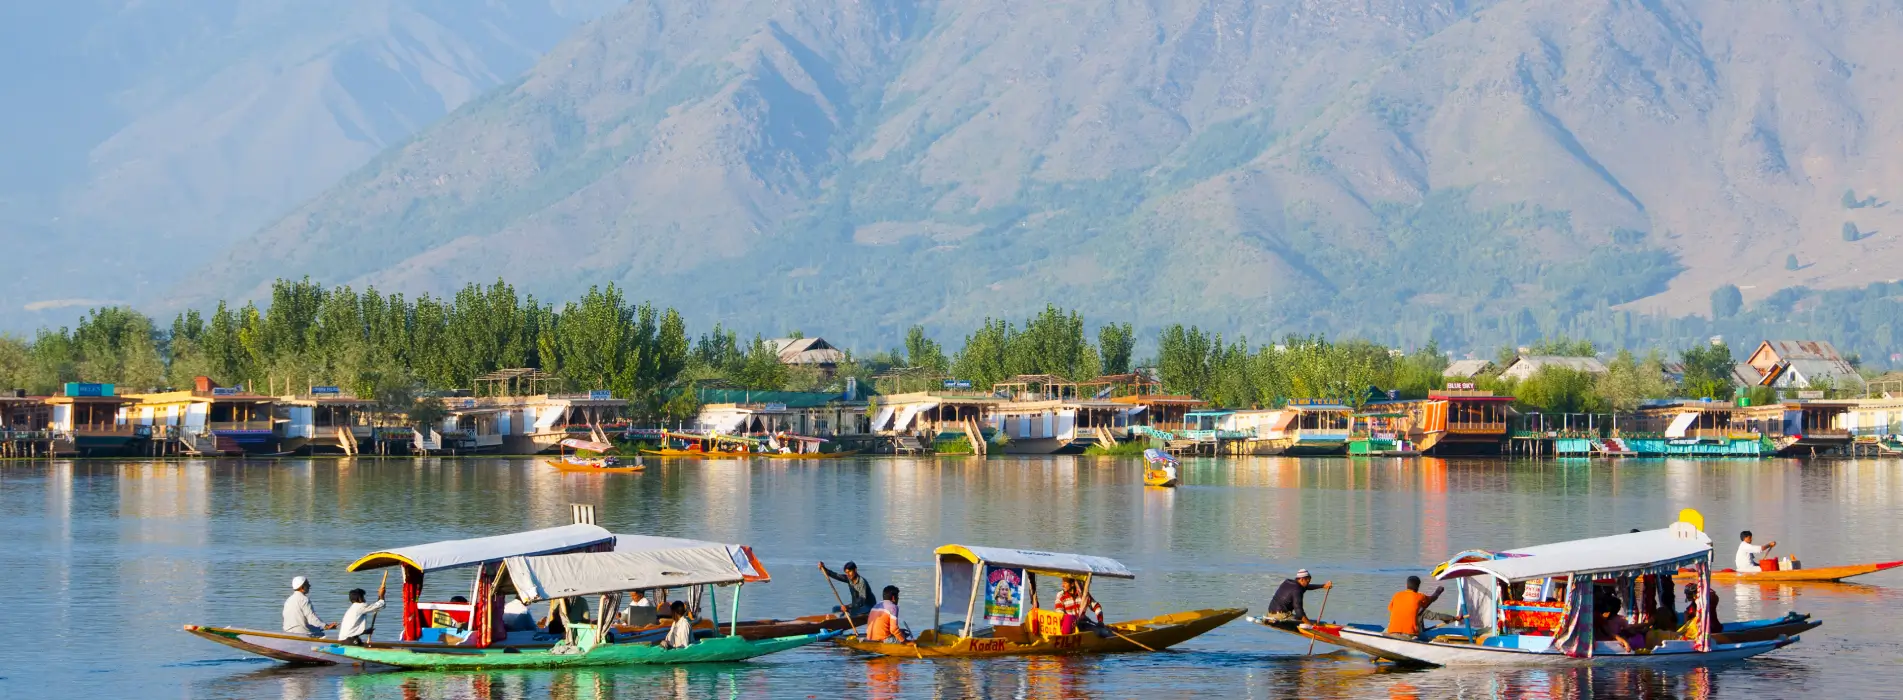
point(378, 345)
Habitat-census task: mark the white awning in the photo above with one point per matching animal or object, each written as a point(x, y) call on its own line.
point(1133, 410)
point(453, 554)
point(566, 575)
point(726, 423)
point(910, 411)
point(741, 555)
point(1058, 562)
point(884, 415)
point(546, 419)
point(1680, 423)
point(1648, 551)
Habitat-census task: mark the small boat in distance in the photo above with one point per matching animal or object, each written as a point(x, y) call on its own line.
point(789, 446)
point(996, 590)
point(1823, 574)
point(604, 464)
point(1159, 468)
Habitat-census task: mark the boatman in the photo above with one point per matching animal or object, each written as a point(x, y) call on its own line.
point(861, 604)
point(1748, 553)
point(882, 624)
point(1076, 607)
point(356, 624)
point(1286, 606)
point(1406, 609)
point(299, 618)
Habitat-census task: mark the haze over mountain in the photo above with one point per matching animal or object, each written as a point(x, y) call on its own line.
point(142, 139)
point(1394, 168)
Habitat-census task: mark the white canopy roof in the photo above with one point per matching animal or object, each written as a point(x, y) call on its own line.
point(451, 554)
point(741, 555)
point(1058, 562)
point(1637, 552)
point(565, 575)
point(1679, 424)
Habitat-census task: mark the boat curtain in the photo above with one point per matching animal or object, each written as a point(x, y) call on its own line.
point(485, 620)
point(1477, 602)
point(1575, 639)
point(412, 590)
point(1703, 641)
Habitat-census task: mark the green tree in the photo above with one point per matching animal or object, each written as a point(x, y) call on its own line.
point(119, 345)
point(1629, 381)
point(984, 359)
point(1560, 390)
point(1708, 371)
point(1115, 343)
point(760, 369)
point(923, 352)
point(14, 354)
point(1183, 359)
point(1420, 372)
point(1726, 301)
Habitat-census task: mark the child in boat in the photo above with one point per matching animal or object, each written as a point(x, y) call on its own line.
point(1612, 627)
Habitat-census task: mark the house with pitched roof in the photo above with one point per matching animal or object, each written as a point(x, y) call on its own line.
point(1801, 364)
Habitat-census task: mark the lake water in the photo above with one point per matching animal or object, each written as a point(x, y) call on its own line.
point(102, 561)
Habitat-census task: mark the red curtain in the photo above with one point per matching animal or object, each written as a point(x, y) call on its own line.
point(486, 620)
point(412, 590)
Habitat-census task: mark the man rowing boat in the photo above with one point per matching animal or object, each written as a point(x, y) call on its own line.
point(1748, 553)
point(862, 603)
point(1076, 606)
point(1286, 606)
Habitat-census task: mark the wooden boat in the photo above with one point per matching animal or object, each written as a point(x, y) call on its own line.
point(1159, 468)
point(811, 455)
point(1766, 629)
point(755, 629)
point(1494, 634)
point(1817, 575)
point(415, 562)
point(637, 563)
point(593, 466)
point(707, 446)
point(1002, 593)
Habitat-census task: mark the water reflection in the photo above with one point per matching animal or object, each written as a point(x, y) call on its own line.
point(159, 544)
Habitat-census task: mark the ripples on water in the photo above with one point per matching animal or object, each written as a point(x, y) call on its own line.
point(105, 560)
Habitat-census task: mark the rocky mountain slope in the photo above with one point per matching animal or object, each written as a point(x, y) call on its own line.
point(143, 139)
point(1394, 168)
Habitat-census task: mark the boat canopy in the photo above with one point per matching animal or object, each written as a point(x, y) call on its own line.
point(1041, 562)
point(576, 444)
point(1680, 423)
point(1649, 552)
point(742, 555)
point(553, 576)
point(453, 554)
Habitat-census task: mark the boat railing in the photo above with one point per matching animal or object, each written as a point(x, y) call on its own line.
point(241, 425)
point(1477, 427)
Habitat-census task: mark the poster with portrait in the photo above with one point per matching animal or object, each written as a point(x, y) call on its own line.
point(1004, 596)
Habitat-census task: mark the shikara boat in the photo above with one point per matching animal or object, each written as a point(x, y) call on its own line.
point(605, 464)
point(415, 562)
point(767, 628)
point(633, 565)
point(811, 455)
point(1766, 629)
point(1492, 635)
point(1817, 575)
point(693, 445)
point(1159, 468)
point(998, 587)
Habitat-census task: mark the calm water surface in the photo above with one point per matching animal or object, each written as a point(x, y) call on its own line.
point(101, 562)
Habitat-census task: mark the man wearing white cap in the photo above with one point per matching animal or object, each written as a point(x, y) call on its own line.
point(1286, 606)
point(299, 618)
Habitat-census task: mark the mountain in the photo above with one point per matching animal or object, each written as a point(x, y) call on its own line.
point(142, 138)
point(1398, 169)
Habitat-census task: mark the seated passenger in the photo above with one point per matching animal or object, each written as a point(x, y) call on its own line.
point(682, 633)
point(1075, 606)
point(882, 624)
point(1612, 627)
point(1407, 607)
point(516, 616)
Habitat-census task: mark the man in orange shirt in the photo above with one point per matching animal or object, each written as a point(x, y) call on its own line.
point(883, 624)
point(1406, 607)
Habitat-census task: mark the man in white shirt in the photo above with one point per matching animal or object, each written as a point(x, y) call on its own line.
point(356, 624)
point(682, 633)
point(1748, 553)
point(299, 618)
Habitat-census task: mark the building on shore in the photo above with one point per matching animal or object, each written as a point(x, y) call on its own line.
point(1805, 369)
point(1525, 366)
point(1468, 369)
point(210, 419)
point(326, 420)
point(89, 420)
point(807, 413)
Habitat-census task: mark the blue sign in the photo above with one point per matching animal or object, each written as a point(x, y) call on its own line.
point(600, 395)
point(958, 384)
point(224, 391)
point(326, 391)
point(88, 389)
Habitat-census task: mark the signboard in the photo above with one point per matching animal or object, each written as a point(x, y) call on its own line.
point(325, 391)
point(600, 395)
point(88, 389)
point(958, 384)
point(1460, 386)
point(1004, 596)
point(469, 403)
point(1814, 394)
point(224, 391)
point(774, 407)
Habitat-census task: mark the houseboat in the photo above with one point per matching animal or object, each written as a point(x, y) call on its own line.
point(1303, 428)
point(89, 420)
point(1044, 414)
point(212, 420)
point(1796, 428)
point(25, 425)
point(913, 422)
point(759, 413)
point(1458, 422)
point(526, 425)
point(1875, 425)
point(325, 421)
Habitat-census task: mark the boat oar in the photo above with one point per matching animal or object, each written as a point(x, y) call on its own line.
point(843, 610)
point(1113, 630)
point(381, 587)
point(1318, 616)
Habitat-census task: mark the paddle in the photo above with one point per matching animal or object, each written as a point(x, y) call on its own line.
point(843, 610)
point(381, 587)
point(1318, 616)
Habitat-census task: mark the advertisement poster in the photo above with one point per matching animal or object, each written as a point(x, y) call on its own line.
point(1004, 596)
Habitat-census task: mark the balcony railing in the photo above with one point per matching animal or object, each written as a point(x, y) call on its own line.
point(1477, 427)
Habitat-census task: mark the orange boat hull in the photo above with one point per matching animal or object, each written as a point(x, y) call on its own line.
point(1821, 574)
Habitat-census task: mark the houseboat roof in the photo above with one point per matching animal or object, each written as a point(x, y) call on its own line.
point(1467, 369)
point(935, 397)
point(1162, 400)
point(1315, 405)
point(789, 399)
point(88, 399)
point(320, 400)
point(1482, 396)
point(201, 397)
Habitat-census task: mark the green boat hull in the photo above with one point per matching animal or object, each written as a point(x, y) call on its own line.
point(718, 649)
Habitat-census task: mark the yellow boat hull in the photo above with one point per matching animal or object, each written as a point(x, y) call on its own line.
point(1158, 478)
point(697, 455)
point(812, 455)
point(572, 467)
point(1154, 634)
